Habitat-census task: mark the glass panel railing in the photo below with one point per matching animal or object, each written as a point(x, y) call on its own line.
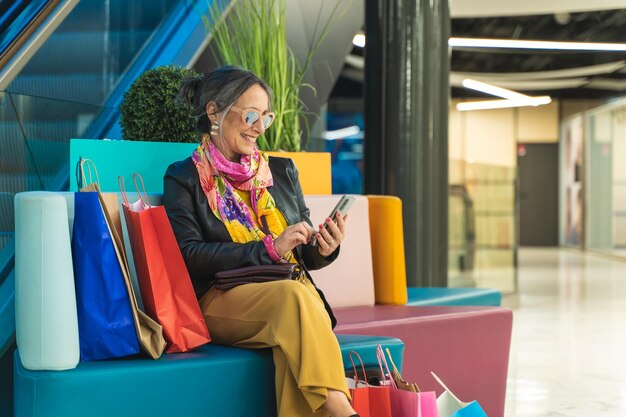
point(604, 201)
point(91, 49)
point(62, 89)
point(34, 147)
point(483, 226)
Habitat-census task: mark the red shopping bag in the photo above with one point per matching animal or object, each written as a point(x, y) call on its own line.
point(369, 400)
point(165, 285)
point(360, 393)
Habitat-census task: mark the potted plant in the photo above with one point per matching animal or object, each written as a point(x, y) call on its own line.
point(251, 34)
point(150, 110)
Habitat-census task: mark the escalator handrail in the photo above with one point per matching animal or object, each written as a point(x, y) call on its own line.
point(32, 38)
point(17, 19)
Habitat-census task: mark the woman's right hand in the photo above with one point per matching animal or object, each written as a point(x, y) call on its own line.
point(292, 236)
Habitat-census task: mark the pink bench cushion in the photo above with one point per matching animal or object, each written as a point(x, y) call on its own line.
point(468, 347)
point(349, 281)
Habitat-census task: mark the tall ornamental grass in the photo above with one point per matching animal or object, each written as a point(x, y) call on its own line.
point(251, 34)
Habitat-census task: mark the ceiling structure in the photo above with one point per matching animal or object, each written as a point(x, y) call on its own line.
point(538, 72)
point(560, 74)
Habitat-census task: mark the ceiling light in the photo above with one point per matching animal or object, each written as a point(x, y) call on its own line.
point(341, 133)
point(501, 104)
point(359, 40)
point(527, 44)
point(493, 90)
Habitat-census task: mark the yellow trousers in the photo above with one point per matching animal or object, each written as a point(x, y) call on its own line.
point(289, 317)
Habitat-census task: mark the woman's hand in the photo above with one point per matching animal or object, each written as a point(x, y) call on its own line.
point(329, 238)
point(292, 236)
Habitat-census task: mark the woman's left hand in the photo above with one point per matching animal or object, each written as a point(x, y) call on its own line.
point(329, 238)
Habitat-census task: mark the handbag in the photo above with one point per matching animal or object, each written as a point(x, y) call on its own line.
point(167, 293)
point(225, 280)
point(150, 332)
point(449, 404)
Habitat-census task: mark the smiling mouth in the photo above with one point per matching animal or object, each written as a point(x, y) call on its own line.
point(248, 138)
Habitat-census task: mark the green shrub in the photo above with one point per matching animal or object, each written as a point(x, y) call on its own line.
point(151, 112)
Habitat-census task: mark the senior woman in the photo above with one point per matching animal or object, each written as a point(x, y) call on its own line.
point(231, 206)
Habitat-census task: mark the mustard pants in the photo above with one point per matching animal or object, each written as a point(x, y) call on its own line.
point(289, 317)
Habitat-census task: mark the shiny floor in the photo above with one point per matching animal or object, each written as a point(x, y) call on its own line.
point(568, 352)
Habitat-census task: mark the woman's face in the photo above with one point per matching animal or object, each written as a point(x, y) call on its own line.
point(237, 138)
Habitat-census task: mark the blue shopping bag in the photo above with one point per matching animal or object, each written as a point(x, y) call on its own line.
point(449, 404)
point(472, 409)
point(105, 320)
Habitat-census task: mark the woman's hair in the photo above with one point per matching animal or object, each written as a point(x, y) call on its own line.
point(223, 86)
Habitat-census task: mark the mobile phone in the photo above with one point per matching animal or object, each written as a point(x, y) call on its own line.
point(344, 204)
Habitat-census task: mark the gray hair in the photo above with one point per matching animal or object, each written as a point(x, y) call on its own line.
point(223, 86)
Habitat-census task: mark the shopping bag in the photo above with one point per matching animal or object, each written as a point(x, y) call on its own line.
point(403, 403)
point(378, 401)
point(397, 377)
point(359, 389)
point(450, 406)
point(165, 285)
point(105, 320)
point(150, 332)
point(427, 400)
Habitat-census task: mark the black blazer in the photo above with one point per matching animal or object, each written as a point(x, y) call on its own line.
point(204, 240)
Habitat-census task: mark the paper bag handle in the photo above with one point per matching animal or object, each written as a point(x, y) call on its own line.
point(120, 183)
point(356, 374)
point(383, 361)
point(142, 194)
point(81, 178)
point(440, 382)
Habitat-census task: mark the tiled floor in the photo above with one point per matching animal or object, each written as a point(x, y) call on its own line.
point(568, 353)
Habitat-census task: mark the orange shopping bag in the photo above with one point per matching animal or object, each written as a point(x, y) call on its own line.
point(165, 285)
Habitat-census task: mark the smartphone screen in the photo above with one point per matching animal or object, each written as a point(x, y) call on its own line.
point(344, 204)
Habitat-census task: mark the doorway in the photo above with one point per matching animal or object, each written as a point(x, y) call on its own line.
point(538, 166)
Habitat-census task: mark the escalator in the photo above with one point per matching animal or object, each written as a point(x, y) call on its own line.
point(70, 86)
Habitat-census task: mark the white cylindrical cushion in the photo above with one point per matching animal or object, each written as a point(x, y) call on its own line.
point(46, 324)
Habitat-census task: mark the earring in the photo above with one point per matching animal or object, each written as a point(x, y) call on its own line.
point(215, 129)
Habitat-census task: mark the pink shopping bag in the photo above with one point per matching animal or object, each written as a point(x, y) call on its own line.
point(406, 403)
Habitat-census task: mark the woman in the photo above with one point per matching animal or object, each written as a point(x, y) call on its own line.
point(231, 206)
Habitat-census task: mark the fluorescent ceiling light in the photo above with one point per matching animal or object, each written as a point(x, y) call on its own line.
point(513, 99)
point(359, 40)
point(341, 133)
point(526, 44)
point(493, 90)
point(501, 104)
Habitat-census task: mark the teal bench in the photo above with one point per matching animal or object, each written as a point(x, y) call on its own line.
point(438, 296)
point(211, 381)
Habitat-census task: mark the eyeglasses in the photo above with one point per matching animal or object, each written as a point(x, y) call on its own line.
point(250, 116)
